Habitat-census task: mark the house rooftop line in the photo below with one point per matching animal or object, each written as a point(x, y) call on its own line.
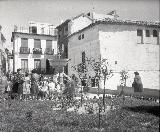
point(120, 22)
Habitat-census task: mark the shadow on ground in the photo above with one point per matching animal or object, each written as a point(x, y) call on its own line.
point(154, 110)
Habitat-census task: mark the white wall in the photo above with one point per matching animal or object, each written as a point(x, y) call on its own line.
point(88, 44)
point(78, 24)
point(119, 43)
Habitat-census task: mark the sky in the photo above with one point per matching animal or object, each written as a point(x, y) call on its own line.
point(20, 12)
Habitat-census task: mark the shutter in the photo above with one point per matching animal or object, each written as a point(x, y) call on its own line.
point(37, 43)
point(24, 42)
point(49, 44)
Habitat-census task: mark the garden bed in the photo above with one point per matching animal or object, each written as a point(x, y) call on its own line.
point(38, 116)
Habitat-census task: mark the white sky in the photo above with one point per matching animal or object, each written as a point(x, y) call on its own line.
point(20, 12)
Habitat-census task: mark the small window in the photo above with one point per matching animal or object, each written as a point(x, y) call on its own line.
point(79, 37)
point(147, 33)
point(89, 14)
point(53, 51)
point(34, 29)
point(83, 57)
point(66, 29)
point(93, 82)
point(42, 30)
point(155, 33)
point(84, 82)
point(82, 36)
point(139, 33)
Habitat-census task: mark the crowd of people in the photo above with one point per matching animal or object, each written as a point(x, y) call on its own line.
point(34, 86)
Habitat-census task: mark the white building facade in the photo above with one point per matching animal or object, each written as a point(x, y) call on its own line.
point(34, 48)
point(127, 45)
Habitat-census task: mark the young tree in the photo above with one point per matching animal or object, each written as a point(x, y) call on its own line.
point(124, 76)
point(102, 72)
point(81, 69)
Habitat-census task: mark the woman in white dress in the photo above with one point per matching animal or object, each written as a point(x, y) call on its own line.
point(26, 86)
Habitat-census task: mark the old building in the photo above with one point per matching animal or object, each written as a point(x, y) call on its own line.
point(34, 46)
point(3, 56)
point(129, 45)
point(75, 24)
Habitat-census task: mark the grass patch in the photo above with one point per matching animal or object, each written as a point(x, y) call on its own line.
point(133, 115)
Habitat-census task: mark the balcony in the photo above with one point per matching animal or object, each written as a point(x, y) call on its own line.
point(49, 51)
point(37, 50)
point(24, 50)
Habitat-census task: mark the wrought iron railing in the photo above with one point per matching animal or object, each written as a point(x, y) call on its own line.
point(24, 50)
point(49, 51)
point(37, 50)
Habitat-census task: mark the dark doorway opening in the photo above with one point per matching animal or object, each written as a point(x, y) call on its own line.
point(49, 68)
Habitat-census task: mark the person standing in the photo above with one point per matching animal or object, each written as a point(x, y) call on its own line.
point(34, 84)
point(52, 88)
point(137, 84)
point(26, 86)
point(19, 82)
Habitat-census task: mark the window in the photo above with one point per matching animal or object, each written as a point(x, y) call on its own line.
point(155, 33)
point(24, 64)
point(49, 44)
point(42, 30)
point(66, 29)
point(84, 82)
point(83, 57)
point(147, 33)
point(24, 42)
point(89, 14)
point(93, 82)
point(139, 33)
point(82, 36)
point(79, 37)
point(139, 36)
point(33, 29)
point(37, 43)
point(37, 63)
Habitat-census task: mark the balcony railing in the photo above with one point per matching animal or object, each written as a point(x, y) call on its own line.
point(37, 50)
point(24, 50)
point(49, 51)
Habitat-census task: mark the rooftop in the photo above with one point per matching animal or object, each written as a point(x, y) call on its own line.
point(121, 22)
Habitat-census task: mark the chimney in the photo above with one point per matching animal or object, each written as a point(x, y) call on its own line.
point(113, 13)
